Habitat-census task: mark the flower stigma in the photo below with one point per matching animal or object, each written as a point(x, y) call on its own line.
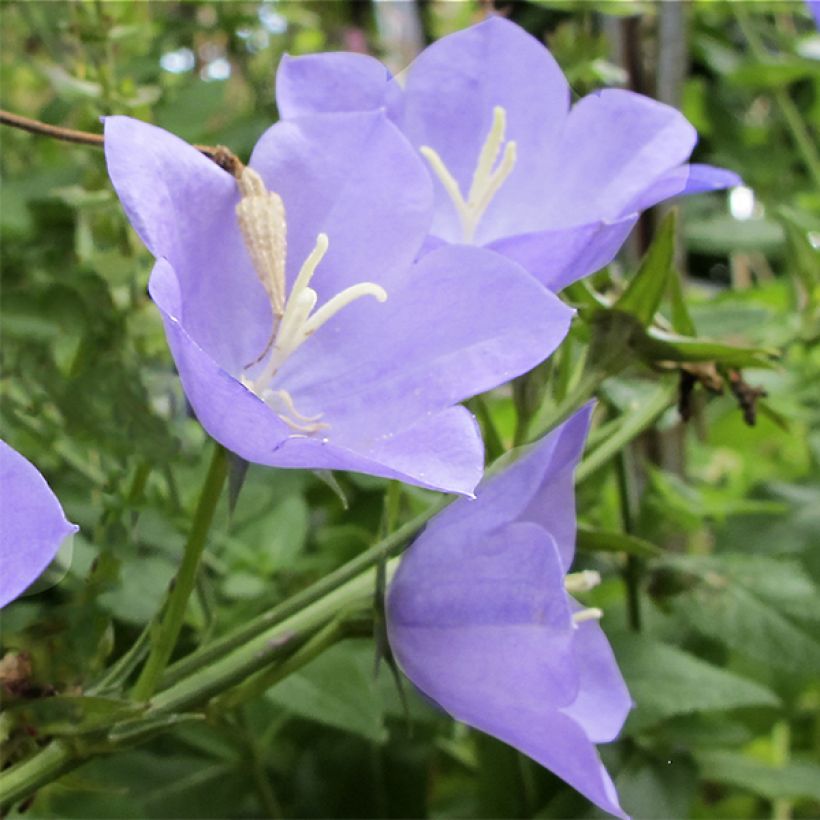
point(489, 175)
point(261, 217)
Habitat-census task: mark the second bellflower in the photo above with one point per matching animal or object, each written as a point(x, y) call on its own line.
point(304, 332)
point(481, 618)
point(557, 188)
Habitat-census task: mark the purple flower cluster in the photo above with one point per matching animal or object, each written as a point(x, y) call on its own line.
point(393, 248)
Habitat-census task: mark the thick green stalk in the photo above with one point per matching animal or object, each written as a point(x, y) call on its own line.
point(23, 779)
point(172, 620)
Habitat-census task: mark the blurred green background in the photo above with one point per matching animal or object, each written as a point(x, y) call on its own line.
point(717, 631)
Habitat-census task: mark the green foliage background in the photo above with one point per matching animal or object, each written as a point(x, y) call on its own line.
point(706, 533)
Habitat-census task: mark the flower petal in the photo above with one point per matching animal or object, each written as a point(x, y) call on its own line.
point(354, 177)
point(614, 146)
point(482, 624)
point(182, 206)
point(558, 258)
point(538, 487)
point(603, 701)
point(32, 524)
point(443, 451)
point(462, 320)
point(683, 181)
point(227, 410)
point(450, 92)
point(330, 82)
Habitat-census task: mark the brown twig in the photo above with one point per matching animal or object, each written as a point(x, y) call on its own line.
point(222, 156)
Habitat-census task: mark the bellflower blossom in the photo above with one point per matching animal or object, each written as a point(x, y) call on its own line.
point(517, 170)
point(32, 524)
point(303, 332)
point(481, 620)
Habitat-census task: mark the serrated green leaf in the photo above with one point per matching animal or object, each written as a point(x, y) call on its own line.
point(645, 291)
point(665, 681)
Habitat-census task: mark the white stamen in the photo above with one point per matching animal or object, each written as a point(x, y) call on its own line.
point(582, 581)
point(489, 152)
point(591, 614)
point(330, 308)
point(486, 180)
point(261, 216)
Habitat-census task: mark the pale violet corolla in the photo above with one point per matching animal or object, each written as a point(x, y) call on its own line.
point(481, 618)
point(517, 169)
point(33, 525)
point(306, 331)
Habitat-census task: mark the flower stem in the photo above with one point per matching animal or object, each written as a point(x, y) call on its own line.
point(171, 623)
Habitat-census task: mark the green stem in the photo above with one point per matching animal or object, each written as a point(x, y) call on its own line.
point(634, 565)
point(23, 779)
point(632, 425)
point(171, 623)
point(800, 133)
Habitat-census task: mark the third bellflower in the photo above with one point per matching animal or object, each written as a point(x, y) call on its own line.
point(304, 333)
point(557, 188)
point(481, 619)
point(32, 524)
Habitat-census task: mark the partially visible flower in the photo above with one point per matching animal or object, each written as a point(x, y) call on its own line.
point(556, 188)
point(814, 9)
point(303, 331)
point(481, 620)
point(32, 524)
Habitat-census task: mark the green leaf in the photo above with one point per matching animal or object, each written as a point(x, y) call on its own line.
point(665, 681)
point(337, 689)
point(645, 291)
point(681, 320)
point(607, 541)
point(747, 603)
point(798, 779)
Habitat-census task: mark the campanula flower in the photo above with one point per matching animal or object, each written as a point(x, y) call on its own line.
point(481, 619)
point(32, 524)
point(303, 330)
point(557, 188)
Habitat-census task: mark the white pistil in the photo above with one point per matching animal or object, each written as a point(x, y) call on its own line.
point(486, 179)
point(261, 216)
point(591, 614)
point(582, 581)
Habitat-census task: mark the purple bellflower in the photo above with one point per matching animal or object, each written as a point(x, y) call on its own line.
point(32, 524)
point(303, 330)
point(814, 10)
point(557, 188)
point(481, 619)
